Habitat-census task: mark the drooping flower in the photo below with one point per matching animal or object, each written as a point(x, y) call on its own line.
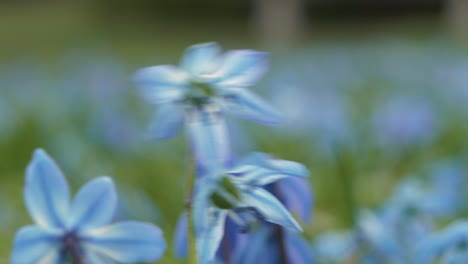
point(80, 228)
point(237, 192)
point(204, 77)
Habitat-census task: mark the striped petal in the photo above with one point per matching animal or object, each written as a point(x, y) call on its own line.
point(248, 105)
point(201, 59)
point(35, 245)
point(208, 136)
point(161, 84)
point(210, 235)
point(94, 205)
point(241, 68)
point(46, 193)
point(269, 207)
point(126, 242)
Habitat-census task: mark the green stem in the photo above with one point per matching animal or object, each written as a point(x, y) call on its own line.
point(345, 173)
point(192, 254)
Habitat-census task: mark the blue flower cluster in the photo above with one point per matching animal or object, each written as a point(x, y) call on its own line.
point(404, 228)
point(230, 196)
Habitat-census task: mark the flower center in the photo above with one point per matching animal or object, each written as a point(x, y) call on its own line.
point(71, 249)
point(200, 92)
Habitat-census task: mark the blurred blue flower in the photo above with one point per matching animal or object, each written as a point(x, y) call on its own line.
point(78, 228)
point(237, 192)
point(206, 77)
point(335, 246)
point(405, 121)
point(450, 244)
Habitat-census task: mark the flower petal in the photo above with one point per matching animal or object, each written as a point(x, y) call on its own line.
point(298, 250)
point(241, 68)
point(160, 84)
point(167, 122)
point(210, 235)
point(260, 248)
point(35, 245)
point(181, 237)
point(126, 242)
point(46, 193)
point(247, 105)
point(208, 135)
point(201, 58)
point(297, 196)
point(269, 207)
point(94, 205)
point(95, 257)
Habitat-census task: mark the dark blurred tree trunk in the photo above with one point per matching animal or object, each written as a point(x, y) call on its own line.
point(457, 18)
point(279, 21)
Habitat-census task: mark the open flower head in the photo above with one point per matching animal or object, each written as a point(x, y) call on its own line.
point(237, 192)
point(206, 76)
point(65, 228)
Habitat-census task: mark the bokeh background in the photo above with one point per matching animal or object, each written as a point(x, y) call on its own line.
point(374, 91)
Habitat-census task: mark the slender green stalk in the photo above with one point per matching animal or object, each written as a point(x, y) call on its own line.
point(345, 172)
point(192, 254)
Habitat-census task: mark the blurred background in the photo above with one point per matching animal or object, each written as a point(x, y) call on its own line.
point(374, 91)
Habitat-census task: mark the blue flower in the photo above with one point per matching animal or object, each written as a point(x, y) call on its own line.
point(451, 244)
point(335, 246)
point(205, 76)
point(237, 192)
point(65, 228)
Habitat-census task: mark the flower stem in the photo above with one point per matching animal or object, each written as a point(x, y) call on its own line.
point(192, 254)
point(345, 173)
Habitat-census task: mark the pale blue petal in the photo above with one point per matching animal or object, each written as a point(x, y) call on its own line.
point(206, 129)
point(46, 192)
point(248, 105)
point(94, 205)
point(270, 170)
point(162, 84)
point(181, 237)
point(201, 59)
point(297, 196)
point(298, 250)
point(210, 235)
point(284, 166)
point(35, 245)
point(95, 257)
point(126, 242)
point(241, 68)
point(288, 167)
point(167, 122)
point(269, 207)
